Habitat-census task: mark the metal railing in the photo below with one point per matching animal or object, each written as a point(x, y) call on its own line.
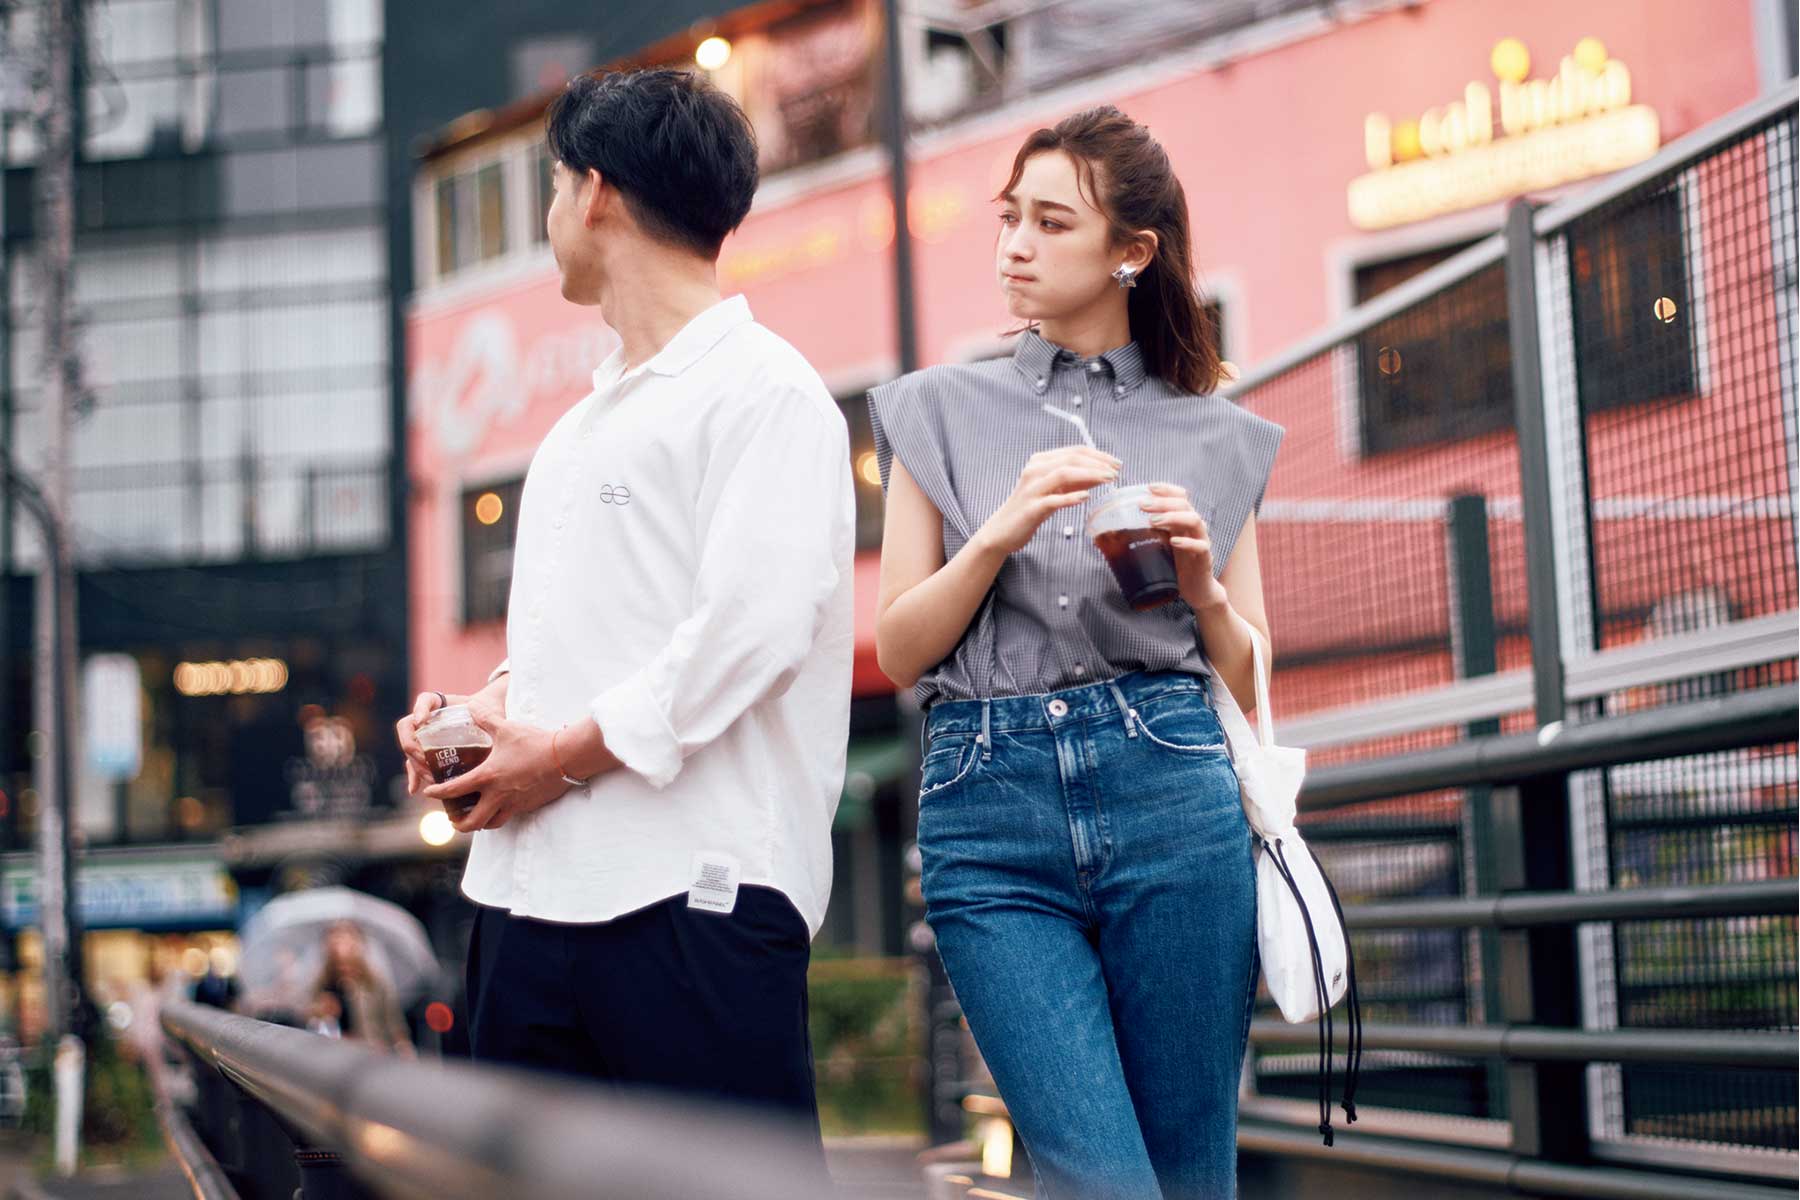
point(1539, 629)
point(282, 1113)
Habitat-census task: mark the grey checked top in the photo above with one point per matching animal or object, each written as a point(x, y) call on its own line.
point(1055, 618)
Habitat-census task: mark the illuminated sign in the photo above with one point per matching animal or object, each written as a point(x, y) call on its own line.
point(1578, 124)
point(251, 676)
point(931, 214)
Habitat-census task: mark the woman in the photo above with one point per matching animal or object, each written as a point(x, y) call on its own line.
point(351, 1000)
point(1087, 863)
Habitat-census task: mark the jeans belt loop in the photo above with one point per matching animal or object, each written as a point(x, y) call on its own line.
point(1125, 709)
point(987, 733)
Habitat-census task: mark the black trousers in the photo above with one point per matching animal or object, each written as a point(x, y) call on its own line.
point(707, 1005)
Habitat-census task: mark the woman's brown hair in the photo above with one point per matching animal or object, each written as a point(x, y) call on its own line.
point(1128, 178)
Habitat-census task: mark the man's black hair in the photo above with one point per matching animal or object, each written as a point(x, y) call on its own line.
point(679, 150)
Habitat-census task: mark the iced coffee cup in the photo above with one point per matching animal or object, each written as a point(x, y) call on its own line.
point(1138, 552)
point(454, 745)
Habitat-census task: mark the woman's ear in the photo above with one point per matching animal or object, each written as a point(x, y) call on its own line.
point(1141, 250)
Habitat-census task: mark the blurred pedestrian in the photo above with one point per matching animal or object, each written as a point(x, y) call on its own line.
point(652, 847)
point(351, 999)
point(1087, 865)
point(218, 986)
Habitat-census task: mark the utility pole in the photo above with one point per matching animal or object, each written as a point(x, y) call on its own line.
point(54, 609)
point(893, 131)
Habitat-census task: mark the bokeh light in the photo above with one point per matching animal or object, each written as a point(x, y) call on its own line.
point(713, 53)
point(435, 828)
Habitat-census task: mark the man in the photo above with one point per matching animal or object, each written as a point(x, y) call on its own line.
point(652, 835)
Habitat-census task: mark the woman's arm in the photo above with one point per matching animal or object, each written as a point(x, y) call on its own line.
point(926, 604)
point(1228, 611)
point(1226, 626)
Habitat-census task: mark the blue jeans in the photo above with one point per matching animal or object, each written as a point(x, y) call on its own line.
point(1088, 874)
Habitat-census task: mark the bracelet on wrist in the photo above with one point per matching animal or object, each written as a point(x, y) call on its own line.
point(557, 760)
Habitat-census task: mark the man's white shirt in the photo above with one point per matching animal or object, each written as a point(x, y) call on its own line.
point(682, 575)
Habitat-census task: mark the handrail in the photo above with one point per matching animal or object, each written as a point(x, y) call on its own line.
point(1537, 1043)
point(1764, 716)
point(1496, 1167)
point(454, 1131)
point(1525, 910)
point(197, 1163)
point(1488, 252)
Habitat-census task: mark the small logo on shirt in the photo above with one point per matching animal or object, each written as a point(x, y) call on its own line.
point(611, 494)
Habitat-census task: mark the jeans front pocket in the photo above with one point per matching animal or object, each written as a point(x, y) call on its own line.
point(949, 762)
point(1182, 722)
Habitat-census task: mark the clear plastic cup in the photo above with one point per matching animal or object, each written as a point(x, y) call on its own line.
point(1139, 553)
point(454, 745)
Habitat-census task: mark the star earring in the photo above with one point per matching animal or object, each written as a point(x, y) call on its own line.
point(1126, 275)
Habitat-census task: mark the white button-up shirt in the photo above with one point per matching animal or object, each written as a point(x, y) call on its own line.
point(682, 576)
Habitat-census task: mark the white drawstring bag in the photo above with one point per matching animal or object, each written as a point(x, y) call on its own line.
point(1306, 959)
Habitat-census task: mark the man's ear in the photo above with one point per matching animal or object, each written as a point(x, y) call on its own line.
point(595, 197)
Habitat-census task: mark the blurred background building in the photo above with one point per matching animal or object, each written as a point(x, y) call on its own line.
point(323, 334)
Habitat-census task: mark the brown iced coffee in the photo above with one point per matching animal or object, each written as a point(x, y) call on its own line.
point(454, 745)
point(1139, 553)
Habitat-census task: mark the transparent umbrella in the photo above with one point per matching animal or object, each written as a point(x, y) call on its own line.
point(284, 946)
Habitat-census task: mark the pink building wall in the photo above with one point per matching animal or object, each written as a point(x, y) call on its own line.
point(1266, 146)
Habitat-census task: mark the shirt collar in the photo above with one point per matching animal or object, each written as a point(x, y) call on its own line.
point(1036, 359)
point(706, 330)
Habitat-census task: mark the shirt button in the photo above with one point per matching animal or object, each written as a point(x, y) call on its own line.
point(1080, 671)
point(1077, 400)
point(1041, 383)
point(1068, 531)
point(1119, 390)
point(1062, 602)
point(1094, 367)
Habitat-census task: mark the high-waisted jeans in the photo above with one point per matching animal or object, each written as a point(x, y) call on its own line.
point(1088, 874)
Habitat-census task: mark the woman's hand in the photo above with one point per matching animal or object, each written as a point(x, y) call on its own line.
point(1051, 480)
point(1170, 509)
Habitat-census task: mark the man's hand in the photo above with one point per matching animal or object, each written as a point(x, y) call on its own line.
point(406, 731)
point(519, 776)
point(489, 702)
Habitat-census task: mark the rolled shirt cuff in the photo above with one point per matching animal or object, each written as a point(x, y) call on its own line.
point(637, 733)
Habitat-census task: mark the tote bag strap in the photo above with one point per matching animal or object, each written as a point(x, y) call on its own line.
point(1231, 714)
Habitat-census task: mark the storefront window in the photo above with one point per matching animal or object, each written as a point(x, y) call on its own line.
point(490, 522)
point(471, 218)
point(1634, 320)
point(1440, 371)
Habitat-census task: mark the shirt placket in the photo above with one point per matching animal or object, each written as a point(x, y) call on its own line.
point(571, 487)
point(1077, 387)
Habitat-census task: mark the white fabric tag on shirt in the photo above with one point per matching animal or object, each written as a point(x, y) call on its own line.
point(715, 885)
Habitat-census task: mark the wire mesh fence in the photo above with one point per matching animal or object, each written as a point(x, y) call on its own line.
point(1396, 529)
point(1674, 372)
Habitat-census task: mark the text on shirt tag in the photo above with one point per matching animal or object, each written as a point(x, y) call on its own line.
point(715, 885)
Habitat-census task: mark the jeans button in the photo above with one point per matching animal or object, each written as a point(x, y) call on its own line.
point(1059, 708)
